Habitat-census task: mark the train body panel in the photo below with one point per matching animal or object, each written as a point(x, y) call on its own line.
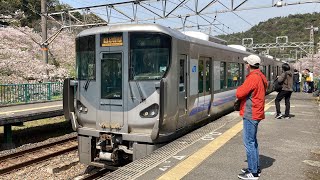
point(141, 86)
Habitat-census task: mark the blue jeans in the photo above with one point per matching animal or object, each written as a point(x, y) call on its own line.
point(250, 129)
point(296, 87)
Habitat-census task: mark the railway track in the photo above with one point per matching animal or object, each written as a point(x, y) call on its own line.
point(37, 154)
point(97, 174)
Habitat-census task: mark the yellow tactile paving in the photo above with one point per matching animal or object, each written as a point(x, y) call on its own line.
point(186, 166)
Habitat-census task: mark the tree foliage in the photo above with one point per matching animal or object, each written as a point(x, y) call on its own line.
point(292, 26)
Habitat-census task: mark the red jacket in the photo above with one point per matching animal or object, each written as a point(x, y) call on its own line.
point(252, 95)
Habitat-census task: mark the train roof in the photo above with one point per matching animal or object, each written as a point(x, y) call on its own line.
point(156, 28)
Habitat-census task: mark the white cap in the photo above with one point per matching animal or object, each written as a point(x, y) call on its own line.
point(253, 60)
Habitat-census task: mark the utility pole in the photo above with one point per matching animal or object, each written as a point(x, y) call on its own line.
point(312, 30)
point(44, 45)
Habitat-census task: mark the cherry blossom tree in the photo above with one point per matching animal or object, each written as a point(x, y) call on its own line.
point(21, 56)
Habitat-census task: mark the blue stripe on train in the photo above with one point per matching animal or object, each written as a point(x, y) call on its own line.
point(206, 106)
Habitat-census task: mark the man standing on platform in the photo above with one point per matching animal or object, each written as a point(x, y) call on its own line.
point(252, 96)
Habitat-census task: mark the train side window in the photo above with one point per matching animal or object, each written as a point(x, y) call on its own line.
point(200, 82)
point(222, 75)
point(272, 72)
point(232, 74)
point(208, 75)
point(216, 75)
point(181, 75)
point(241, 80)
point(269, 73)
point(181, 81)
point(263, 69)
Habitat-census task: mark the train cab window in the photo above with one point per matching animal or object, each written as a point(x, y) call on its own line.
point(233, 74)
point(85, 57)
point(149, 55)
point(111, 76)
point(201, 76)
point(222, 75)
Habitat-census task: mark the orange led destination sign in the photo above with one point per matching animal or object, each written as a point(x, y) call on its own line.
point(112, 41)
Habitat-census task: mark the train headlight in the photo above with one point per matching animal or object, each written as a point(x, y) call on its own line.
point(150, 112)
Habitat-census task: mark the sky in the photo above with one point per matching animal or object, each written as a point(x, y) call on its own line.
point(225, 23)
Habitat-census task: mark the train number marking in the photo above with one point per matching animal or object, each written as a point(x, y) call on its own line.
point(215, 133)
point(207, 138)
point(210, 136)
point(164, 168)
point(178, 157)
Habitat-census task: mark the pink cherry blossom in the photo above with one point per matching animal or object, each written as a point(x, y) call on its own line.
point(21, 56)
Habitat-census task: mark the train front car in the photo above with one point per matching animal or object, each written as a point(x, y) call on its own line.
point(120, 74)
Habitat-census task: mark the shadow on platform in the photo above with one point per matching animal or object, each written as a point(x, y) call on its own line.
point(36, 134)
point(265, 161)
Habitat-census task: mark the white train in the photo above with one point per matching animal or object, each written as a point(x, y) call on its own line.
point(139, 87)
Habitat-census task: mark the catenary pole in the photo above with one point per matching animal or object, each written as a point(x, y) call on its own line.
point(44, 45)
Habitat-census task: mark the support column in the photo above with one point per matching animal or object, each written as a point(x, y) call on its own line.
point(8, 134)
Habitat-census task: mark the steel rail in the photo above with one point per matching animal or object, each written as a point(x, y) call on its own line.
point(5, 159)
point(99, 173)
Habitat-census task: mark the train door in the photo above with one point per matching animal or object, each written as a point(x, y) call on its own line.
point(204, 86)
point(111, 102)
point(182, 98)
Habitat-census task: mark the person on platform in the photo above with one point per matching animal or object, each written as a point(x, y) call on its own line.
point(252, 96)
point(310, 81)
point(287, 79)
point(296, 81)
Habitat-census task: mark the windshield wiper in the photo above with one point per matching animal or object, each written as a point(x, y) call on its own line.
point(138, 85)
point(87, 84)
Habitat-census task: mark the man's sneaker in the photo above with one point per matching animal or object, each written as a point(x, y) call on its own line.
point(244, 170)
point(248, 176)
point(279, 116)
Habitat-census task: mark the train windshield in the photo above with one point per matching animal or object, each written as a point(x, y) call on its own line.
point(85, 58)
point(149, 55)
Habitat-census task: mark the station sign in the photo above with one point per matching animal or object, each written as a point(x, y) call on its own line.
point(109, 40)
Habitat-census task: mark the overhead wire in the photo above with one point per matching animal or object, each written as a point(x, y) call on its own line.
point(245, 20)
point(200, 15)
point(122, 18)
point(166, 12)
point(173, 15)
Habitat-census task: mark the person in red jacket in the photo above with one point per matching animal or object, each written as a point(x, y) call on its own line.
point(252, 96)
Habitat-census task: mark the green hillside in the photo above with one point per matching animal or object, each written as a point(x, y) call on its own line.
point(292, 26)
point(28, 13)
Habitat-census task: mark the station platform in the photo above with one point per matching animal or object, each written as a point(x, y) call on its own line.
point(289, 148)
point(17, 114)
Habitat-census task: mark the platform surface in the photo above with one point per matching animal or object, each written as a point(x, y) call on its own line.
point(288, 148)
point(28, 112)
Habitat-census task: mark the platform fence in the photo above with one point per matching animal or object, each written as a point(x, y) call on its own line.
point(28, 93)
